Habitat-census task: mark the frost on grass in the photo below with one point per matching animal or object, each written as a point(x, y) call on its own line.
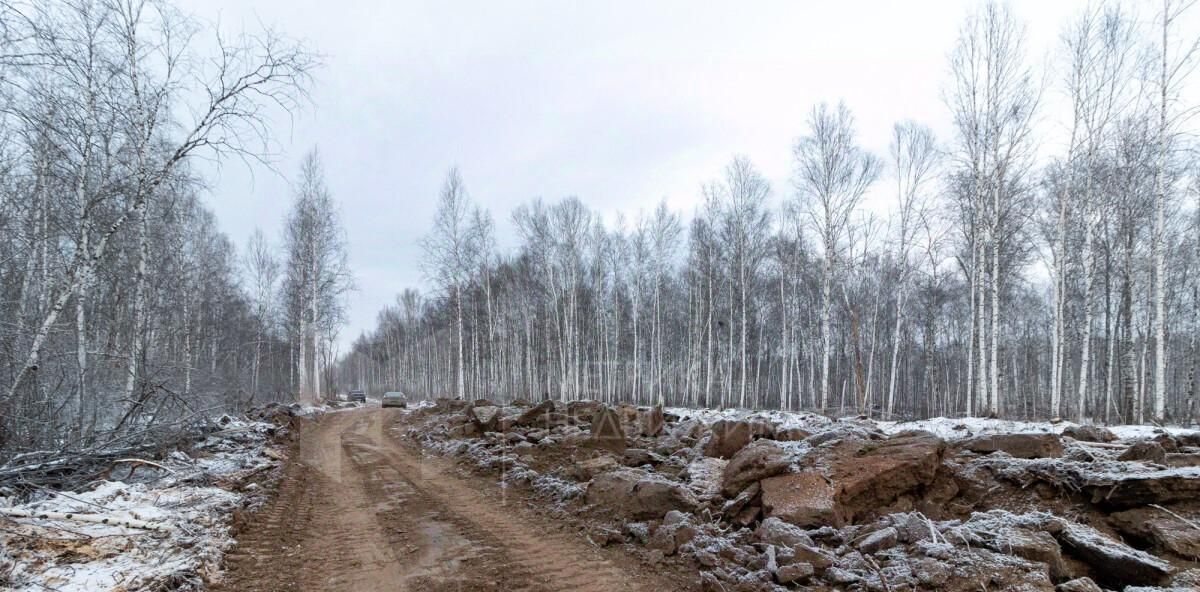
point(189, 511)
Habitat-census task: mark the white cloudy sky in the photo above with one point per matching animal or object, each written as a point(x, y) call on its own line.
point(621, 103)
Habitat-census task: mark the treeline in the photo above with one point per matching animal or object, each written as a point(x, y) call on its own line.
point(121, 303)
point(1000, 282)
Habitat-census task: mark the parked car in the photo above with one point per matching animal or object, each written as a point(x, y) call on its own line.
point(394, 399)
point(357, 396)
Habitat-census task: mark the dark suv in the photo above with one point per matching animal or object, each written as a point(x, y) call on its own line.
point(357, 396)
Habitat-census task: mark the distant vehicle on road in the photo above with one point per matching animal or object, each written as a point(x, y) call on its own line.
point(394, 399)
point(357, 396)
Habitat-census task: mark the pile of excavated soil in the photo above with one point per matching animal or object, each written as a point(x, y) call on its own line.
point(764, 502)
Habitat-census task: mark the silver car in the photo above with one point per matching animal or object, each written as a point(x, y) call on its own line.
point(394, 399)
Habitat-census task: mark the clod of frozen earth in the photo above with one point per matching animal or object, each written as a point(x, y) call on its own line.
point(1023, 536)
point(651, 421)
point(885, 470)
point(726, 438)
point(1078, 585)
point(639, 494)
point(1089, 433)
point(606, 430)
point(884, 538)
point(803, 499)
point(583, 410)
point(1111, 559)
point(1145, 450)
point(1020, 445)
point(704, 478)
point(774, 531)
point(794, 572)
point(484, 416)
point(675, 531)
point(1124, 490)
point(1167, 531)
point(756, 461)
point(791, 434)
point(536, 416)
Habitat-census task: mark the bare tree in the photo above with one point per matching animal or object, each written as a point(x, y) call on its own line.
point(450, 250)
point(992, 101)
point(915, 158)
point(318, 274)
point(832, 175)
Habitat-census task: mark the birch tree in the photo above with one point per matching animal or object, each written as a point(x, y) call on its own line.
point(450, 250)
point(832, 175)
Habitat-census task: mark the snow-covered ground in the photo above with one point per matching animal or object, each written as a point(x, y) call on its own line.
point(948, 428)
point(167, 527)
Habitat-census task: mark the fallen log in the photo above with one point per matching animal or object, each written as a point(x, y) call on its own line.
point(90, 518)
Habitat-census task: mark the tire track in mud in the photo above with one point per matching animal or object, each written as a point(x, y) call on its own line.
point(357, 511)
point(535, 558)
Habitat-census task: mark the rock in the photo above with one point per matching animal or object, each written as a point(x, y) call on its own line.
point(704, 477)
point(582, 411)
point(838, 575)
point(638, 531)
point(1146, 451)
point(804, 499)
point(1166, 440)
point(774, 531)
point(791, 435)
point(465, 430)
point(761, 429)
point(536, 416)
point(1079, 584)
point(652, 421)
point(636, 457)
point(588, 469)
point(687, 430)
point(885, 470)
point(748, 497)
point(1090, 433)
point(444, 405)
point(1165, 531)
point(1183, 459)
point(668, 445)
point(663, 540)
point(882, 539)
point(628, 413)
point(794, 572)
point(1133, 489)
point(747, 516)
point(606, 431)
point(1111, 559)
point(484, 416)
point(1028, 536)
point(726, 438)
point(671, 535)
point(757, 461)
point(639, 494)
point(520, 403)
point(482, 403)
point(1019, 445)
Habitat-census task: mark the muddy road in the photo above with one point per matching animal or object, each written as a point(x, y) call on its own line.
point(357, 510)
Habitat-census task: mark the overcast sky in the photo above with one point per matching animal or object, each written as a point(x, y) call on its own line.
point(620, 103)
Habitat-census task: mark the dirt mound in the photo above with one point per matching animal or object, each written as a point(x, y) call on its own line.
point(753, 502)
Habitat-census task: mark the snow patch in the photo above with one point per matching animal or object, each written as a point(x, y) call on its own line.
point(191, 519)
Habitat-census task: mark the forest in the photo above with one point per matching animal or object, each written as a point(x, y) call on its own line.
point(123, 307)
point(1010, 273)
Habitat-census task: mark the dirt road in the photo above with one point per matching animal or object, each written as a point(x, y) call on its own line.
point(358, 511)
